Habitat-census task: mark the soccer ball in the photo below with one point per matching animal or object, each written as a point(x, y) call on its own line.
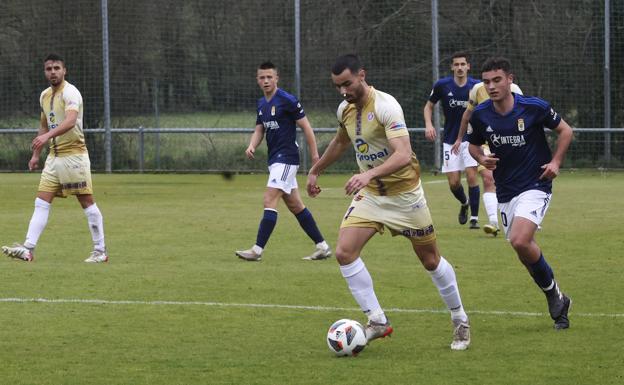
point(346, 337)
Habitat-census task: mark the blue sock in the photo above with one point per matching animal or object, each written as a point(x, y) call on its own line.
point(459, 194)
point(267, 224)
point(542, 273)
point(308, 224)
point(474, 193)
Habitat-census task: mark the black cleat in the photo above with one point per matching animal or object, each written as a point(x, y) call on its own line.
point(562, 322)
point(558, 307)
point(463, 214)
point(474, 224)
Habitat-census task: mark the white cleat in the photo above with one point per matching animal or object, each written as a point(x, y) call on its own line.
point(18, 251)
point(249, 255)
point(461, 336)
point(319, 254)
point(97, 257)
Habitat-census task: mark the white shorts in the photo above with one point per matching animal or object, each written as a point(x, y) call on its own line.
point(66, 175)
point(283, 176)
point(458, 162)
point(531, 205)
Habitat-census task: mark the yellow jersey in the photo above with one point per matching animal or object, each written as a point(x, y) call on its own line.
point(369, 130)
point(53, 107)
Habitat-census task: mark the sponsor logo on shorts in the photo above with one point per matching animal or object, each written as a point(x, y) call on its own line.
point(74, 186)
point(358, 197)
point(416, 233)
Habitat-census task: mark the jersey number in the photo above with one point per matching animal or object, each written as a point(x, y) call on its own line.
point(447, 155)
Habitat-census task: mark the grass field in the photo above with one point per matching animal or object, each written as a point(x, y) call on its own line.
point(174, 305)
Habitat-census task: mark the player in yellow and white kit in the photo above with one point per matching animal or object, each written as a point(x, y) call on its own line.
point(67, 168)
point(387, 194)
point(478, 95)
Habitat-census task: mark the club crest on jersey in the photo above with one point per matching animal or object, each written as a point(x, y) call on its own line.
point(521, 124)
point(272, 110)
point(361, 146)
point(370, 116)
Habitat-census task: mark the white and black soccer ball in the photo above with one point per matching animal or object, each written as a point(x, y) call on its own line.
point(346, 337)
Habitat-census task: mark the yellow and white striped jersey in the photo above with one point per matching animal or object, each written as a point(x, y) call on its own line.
point(53, 107)
point(478, 94)
point(369, 130)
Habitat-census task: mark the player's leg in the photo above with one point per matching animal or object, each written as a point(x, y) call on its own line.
point(443, 276)
point(470, 168)
point(272, 197)
point(295, 204)
point(521, 218)
point(489, 201)
point(96, 227)
point(351, 241)
point(452, 167)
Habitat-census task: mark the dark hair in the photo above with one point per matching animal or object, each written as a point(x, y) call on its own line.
point(459, 54)
point(496, 63)
point(267, 65)
point(54, 57)
point(349, 61)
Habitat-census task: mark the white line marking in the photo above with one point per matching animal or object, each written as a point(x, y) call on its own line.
point(278, 306)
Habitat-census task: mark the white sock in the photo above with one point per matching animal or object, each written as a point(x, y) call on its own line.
point(491, 206)
point(444, 279)
point(96, 225)
point(361, 285)
point(322, 245)
point(37, 223)
point(257, 249)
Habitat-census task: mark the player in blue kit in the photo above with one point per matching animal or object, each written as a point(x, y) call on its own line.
point(513, 127)
point(453, 92)
point(278, 115)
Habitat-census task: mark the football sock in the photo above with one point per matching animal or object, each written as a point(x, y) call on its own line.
point(473, 193)
point(542, 273)
point(491, 206)
point(267, 224)
point(459, 193)
point(444, 279)
point(308, 224)
point(322, 245)
point(37, 223)
point(96, 225)
point(361, 285)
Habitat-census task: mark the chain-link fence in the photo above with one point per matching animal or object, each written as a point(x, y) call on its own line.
point(191, 64)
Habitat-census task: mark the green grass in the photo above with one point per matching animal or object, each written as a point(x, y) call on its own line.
point(172, 238)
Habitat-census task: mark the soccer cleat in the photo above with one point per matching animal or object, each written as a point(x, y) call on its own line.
point(491, 229)
point(474, 224)
point(249, 255)
point(18, 251)
point(463, 214)
point(558, 307)
point(461, 335)
point(376, 330)
point(97, 256)
point(319, 254)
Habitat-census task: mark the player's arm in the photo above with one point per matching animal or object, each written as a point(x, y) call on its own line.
point(488, 161)
point(254, 142)
point(33, 163)
point(463, 127)
point(430, 131)
point(308, 132)
point(401, 156)
point(334, 150)
point(564, 138)
point(71, 116)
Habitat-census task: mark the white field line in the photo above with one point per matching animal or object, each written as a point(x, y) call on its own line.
point(278, 306)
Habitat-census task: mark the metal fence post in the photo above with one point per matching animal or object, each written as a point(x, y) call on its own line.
point(435, 56)
point(141, 149)
point(607, 81)
point(105, 75)
point(304, 150)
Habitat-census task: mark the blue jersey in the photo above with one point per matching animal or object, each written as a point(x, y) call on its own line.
point(279, 116)
point(519, 141)
point(454, 101)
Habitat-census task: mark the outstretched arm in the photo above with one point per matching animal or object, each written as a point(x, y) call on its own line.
point(334, 150)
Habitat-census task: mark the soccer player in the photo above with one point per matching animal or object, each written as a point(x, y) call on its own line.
point(478, 95)
point(513, 126)
point(453, 92)
point(387, 194)
point(279, 114)
point(67, 168)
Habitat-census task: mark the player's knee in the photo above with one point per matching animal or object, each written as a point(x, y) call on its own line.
point(519, 243)
point(344, 256)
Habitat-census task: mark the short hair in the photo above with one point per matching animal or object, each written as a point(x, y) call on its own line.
point(54, 57)
point(350, 61)
point(267, 65)
point(459, 54)
point(496, 63)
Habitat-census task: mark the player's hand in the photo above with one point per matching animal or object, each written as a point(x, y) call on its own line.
point(311, 186)
point(489, 161)
point(455, 148)
point(356, 183)
point(250, 152)
point(551, 170)
point(33, 163)
point(40, 141)
point(430, 133)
